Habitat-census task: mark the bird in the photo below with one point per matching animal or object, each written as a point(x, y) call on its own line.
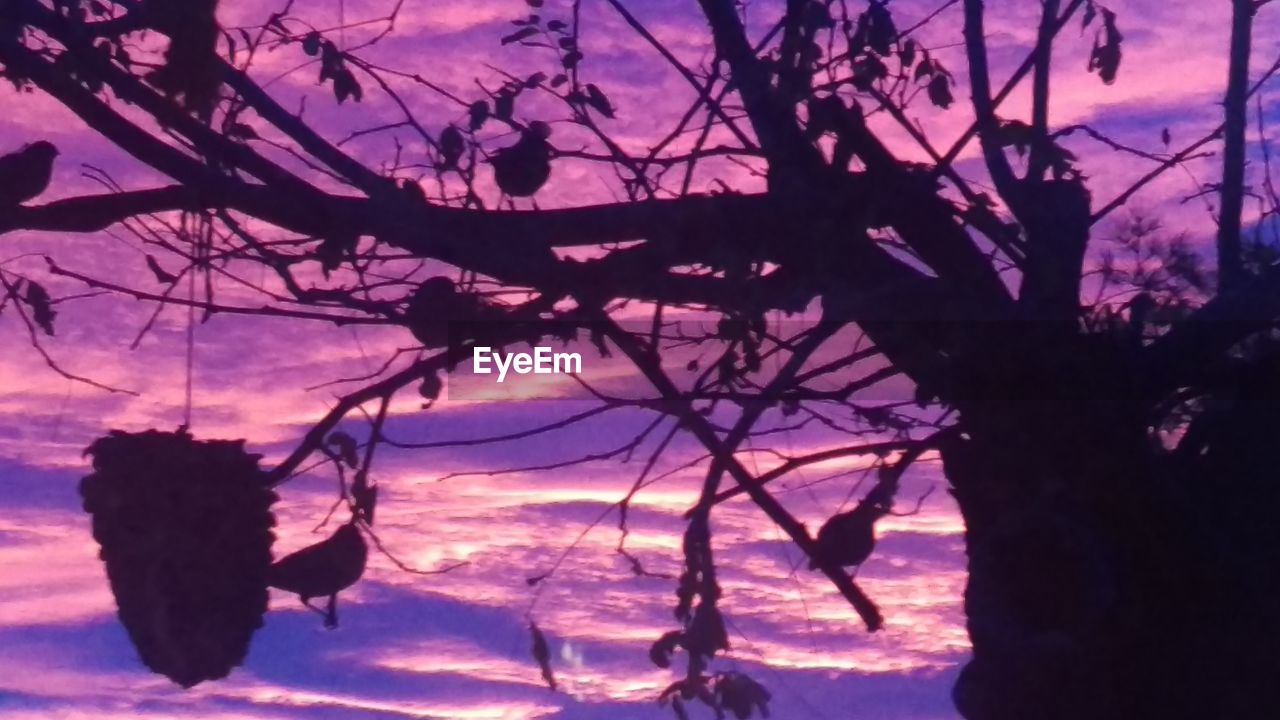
point(522, 169)
point(323, 569)
point(846, 539)
point(26, 173)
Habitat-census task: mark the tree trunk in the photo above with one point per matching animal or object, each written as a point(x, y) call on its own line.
point(1109, 578)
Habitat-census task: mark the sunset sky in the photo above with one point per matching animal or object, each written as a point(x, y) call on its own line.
point(456, 645)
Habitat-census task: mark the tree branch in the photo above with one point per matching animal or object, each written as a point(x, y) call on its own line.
point(1230, 259)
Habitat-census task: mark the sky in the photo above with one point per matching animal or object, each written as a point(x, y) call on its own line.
point(456, 645)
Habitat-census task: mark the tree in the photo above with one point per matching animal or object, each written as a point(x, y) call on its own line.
point(1109, 455)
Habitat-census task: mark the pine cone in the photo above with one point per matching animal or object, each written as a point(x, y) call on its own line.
point(185, 529)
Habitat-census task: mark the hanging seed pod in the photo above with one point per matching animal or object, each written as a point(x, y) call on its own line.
point(185, 530)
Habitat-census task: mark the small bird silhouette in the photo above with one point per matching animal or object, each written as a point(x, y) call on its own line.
point(26, 173)
point(847, 539)
point(522, 169)
point(323, 569)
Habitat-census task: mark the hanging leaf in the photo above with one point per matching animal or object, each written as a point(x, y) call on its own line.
point(37, 298)
point(924, 69)
point(1090, 13)
point(597, 99)
point(817, 16)
point(431, 387)
point(521, 34)
point(741, 695)
point(162, 276)
point(346, 447)
point(535, 80)
point(1105, 58)
point(880, 29)
point(571, 59)
point(940, 91)
point(908, 53)
point(556, 25)
point(706, 634)
point(345, 86)
point(867, 70)
point(452, 145)
point(661, 650)
point(333, 250)
point(858, 38)
point(559, 80)
point(542, 655)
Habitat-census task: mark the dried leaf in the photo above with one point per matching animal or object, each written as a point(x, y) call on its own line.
point(333, 250)
point(706, 634)
point(597, 99)
point(162, 276)
point(345, 86)
point(1105, 58)
point(742, 695)
point(867, 70)
point(940, 91)
point(924, 69)
point(452, 145)
point(521, 34)
point(661, 650)
point(431, 387)
point(880, 29)
point(37, 298)
point(542, 655)
point(908, 53)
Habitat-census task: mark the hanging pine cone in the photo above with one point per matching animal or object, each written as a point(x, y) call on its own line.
point(185, 529)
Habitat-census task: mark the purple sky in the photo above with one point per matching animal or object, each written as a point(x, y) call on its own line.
point(455, 646)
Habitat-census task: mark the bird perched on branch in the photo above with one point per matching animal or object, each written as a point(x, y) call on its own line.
point(522, 169)
point(324, 569)
point(26, 173)
point(847, 539)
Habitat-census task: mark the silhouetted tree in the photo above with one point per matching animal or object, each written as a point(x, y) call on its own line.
point(1111, 456)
